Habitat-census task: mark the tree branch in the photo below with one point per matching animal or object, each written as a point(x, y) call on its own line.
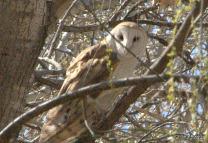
point(80, 93)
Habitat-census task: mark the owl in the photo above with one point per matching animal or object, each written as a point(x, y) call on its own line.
point(113, 58)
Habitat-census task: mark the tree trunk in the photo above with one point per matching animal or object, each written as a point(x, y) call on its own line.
point(22, 34)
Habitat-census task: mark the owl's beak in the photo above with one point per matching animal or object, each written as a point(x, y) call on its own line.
point(122, 48)
point(125, 46)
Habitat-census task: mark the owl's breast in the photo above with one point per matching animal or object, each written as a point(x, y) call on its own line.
point(125, 68)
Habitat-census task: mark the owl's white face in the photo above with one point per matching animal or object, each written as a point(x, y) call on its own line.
point(133, 38)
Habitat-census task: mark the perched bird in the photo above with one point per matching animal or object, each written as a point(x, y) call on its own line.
point(110, 59)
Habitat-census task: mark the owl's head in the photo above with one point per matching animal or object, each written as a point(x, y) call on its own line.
point(129, 35)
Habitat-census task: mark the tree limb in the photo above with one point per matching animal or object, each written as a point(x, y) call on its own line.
point(80, 93)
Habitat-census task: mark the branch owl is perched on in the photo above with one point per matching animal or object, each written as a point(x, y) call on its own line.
point(106, 60)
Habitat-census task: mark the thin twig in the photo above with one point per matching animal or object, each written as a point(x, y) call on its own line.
point(59, 29)
point(52, 62)
point(85, 117)
point(119, 11)
point(159, 126)
point(133, 8)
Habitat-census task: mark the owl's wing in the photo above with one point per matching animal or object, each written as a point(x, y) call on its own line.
point(87, 67)
point(90, 66)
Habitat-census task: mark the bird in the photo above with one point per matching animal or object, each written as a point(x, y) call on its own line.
point(114, 57)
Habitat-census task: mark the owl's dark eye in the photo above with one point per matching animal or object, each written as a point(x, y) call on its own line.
point(136, 38)
point(120, 37)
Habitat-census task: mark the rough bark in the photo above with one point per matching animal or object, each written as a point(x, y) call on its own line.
point(22, 35)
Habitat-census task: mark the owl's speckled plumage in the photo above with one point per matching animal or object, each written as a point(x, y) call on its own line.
point(92, 66)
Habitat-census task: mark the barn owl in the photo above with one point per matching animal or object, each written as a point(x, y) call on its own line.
point(107, 60)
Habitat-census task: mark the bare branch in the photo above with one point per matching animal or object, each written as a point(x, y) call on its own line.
point(51, 61)
point(59, 29)
point(144, 81)
point(118, 12)
point(55, 83)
